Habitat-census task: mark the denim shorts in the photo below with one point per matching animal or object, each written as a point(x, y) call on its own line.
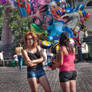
point(65, 76)
point(36, 74)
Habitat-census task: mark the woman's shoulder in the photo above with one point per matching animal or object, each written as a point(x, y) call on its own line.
point(39, 47)
point(24, 50)
point(63, 48)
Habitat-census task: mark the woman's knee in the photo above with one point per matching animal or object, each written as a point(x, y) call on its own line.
point(33, 84)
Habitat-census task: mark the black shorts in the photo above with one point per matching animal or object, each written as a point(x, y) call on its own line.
point(67, 75)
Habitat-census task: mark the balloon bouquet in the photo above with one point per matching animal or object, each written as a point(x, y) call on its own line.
point(52, 18)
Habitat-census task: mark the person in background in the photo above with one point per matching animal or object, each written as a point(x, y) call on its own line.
point(33, 57)
point(19, 54)
point(45, 62)
point(65, 63)
point(2, 58)
point(15, 57)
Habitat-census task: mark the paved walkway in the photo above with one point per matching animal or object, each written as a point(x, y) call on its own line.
point(12, 80)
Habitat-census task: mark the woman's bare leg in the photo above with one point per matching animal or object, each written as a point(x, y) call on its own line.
point(44, 83)
point(73, 85)
point(33, 84)
point(65, 86)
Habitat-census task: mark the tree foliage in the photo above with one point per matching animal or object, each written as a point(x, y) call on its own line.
point(16, 23)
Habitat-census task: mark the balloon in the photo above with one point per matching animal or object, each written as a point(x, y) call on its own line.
point(50, 38)
point(3, 1)
point(49, 19)
point(74, 10)
point(28, 8)
point(68, 10)
point(12, 3)
point(56, 29)
point(82, 20)
point(68, 6)
point(45, 44)
point(83, 12)
point(63, 1)
point(86, 19)
point(36, 29)
point(80, 12)
point(23, 12)
point(69, 31)
point(43, 8)
point(56, 10)
point(73, 19)
point(76, 29)
point(81, 6)
point(88, 15)
point(55, 48)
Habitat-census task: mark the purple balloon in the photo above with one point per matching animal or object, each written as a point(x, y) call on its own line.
point(82, 20)
point(3, 1)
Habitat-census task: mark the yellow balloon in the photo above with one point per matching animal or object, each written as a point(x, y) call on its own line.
point(80, 12)
point(85, 18)
point(57, 47)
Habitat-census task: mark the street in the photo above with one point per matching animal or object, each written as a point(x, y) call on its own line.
point(12, 80)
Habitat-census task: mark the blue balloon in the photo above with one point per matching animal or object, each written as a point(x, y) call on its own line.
point(56, 29)
point(50, 38)
point(23, 12)
point(68, 6)
point(69, 31)
point(74, 9)
point(81, 6)
point(83, 12)
point(68, 10)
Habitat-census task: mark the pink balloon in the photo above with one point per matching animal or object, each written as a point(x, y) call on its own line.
point(87, 15)
point(82, 20)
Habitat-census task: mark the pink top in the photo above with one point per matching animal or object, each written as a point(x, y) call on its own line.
point(68, 62)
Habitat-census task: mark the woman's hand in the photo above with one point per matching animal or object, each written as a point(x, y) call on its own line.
point(31, 64)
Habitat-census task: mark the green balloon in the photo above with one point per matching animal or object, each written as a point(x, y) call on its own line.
point(37, 28)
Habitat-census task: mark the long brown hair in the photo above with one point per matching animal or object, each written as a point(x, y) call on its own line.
point(34, 36)
point(64, 41)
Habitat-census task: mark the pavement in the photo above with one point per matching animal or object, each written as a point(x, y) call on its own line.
point(13, 80)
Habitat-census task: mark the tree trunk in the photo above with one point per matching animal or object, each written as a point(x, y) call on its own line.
point(6, 37)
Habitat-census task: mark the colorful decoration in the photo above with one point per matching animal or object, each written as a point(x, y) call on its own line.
point(45, 44)
point(36, 29)
point(76, 29)
point(56, 17)
point(57, 12)
point(3, 2)
point(12, 3)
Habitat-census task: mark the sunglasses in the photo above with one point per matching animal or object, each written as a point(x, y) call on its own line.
point(30, 39)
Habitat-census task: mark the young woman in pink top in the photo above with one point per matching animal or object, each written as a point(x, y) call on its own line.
point(65, 61)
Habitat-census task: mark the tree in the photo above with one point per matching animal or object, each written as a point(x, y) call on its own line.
point(13, 28)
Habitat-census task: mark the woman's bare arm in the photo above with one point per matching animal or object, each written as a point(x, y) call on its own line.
point(59, 59)
point(42, 58)
point(27, 59)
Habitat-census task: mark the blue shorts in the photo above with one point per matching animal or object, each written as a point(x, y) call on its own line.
point(36, 74)
point(65, 76)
